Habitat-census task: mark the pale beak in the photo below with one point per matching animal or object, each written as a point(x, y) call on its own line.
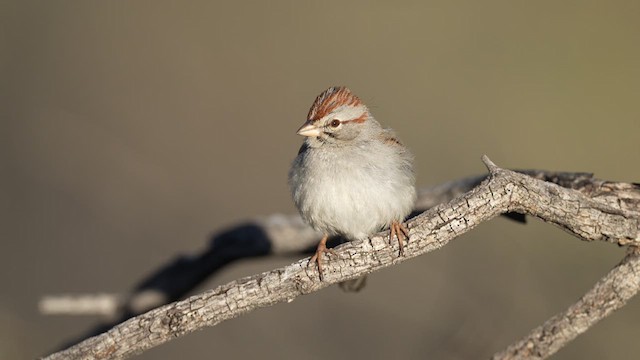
point(308, 129)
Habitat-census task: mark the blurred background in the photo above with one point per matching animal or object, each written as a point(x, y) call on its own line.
point(131, 131)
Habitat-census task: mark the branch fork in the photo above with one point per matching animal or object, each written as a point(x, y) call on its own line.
point(591, 210)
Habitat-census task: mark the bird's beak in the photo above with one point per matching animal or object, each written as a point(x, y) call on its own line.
point(308, 129)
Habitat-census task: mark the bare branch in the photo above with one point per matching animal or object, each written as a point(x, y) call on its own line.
point(612, 292)
point(592, 217)
point(272, 235)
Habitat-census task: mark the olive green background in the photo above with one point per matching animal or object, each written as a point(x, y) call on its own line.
point(132, 130)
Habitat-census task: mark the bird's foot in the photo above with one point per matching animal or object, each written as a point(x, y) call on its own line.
point(317, 257)
point(399, 230)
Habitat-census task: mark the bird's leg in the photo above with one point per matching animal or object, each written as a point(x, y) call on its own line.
point(398, 229)
point(317, 257)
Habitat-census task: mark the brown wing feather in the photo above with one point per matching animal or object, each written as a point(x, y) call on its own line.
point(389, 137)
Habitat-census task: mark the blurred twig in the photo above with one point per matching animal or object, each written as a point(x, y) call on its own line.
point(598, 210)
point(86, 304)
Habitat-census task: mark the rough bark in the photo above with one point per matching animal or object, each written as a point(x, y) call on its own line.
point(589, 209)
point(608, 295)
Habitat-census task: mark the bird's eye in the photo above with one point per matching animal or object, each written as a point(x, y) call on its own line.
point(335, 123)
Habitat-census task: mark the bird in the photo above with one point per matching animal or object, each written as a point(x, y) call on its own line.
point(352, 177)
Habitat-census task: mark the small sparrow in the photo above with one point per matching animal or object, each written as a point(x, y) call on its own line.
point(351, 177)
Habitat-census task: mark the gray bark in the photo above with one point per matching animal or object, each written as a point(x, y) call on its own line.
point(587, 208)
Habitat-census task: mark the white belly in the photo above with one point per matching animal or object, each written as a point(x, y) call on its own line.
point(352, 194)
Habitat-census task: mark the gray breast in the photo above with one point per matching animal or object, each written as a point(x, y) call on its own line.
point(353, 191)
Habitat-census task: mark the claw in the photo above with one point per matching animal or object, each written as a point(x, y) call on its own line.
point(317, 257)
point(398, 229)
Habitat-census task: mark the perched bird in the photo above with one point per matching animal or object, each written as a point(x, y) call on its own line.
point(351, 177)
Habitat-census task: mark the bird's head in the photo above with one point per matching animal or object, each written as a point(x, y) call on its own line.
point(336, 117)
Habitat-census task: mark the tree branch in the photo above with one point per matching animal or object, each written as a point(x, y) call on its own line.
point(612, 292)
point(589, 212)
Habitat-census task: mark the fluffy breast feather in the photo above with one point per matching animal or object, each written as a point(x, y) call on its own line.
point(354, 191)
